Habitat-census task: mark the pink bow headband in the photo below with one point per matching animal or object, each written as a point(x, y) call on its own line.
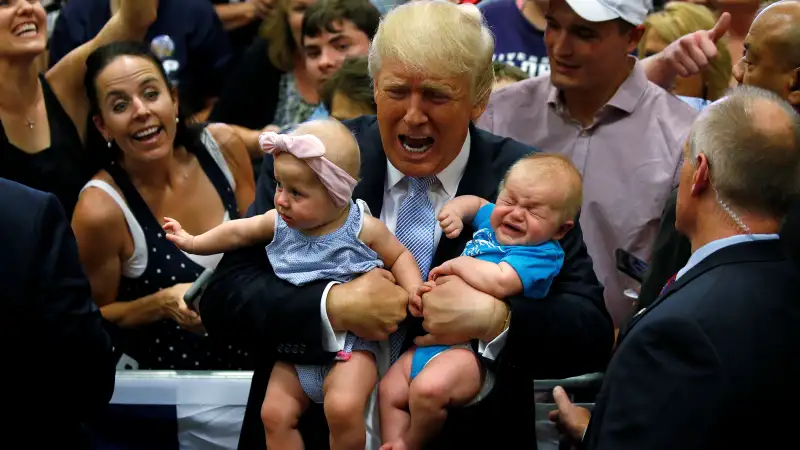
point(310, 149)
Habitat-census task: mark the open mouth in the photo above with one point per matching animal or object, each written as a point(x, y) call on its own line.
point(148, 134)
point(27, 29)
point(416, 144)
point(512, 228)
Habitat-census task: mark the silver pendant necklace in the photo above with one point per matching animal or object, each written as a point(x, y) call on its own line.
point(31, 123)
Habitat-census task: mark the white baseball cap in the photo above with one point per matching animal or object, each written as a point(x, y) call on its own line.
point(631, 11)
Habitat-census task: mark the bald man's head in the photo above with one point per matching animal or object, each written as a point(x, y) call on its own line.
point(772, 52)
point(784, 16)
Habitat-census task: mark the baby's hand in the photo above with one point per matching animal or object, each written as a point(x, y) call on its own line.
point(439, 271)
point(415, 302)
point(451, 224)
point(177, 235)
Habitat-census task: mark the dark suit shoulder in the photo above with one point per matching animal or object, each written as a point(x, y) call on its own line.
point(21, 203)
point(360, 125)
point(504, 151)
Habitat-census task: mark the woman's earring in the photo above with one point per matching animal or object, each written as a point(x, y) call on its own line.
point(109, 144)
point(177, 119)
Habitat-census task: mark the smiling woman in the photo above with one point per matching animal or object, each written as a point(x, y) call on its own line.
point(159, 166)
point(44, 116)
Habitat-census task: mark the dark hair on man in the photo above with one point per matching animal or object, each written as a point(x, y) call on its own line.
point(503, 71)
point(325, 15)
point(353, 81)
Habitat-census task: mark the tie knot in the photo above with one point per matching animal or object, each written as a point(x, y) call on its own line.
point(420, 185)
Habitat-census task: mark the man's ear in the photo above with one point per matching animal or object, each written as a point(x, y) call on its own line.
point(564, 229)
point(702, 175)
point(634, 36)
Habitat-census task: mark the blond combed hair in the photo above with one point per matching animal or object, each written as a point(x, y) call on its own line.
point(439, 39)
point(557, 170)
point(681, 18)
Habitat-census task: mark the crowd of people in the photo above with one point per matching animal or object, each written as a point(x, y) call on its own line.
point(411, 211)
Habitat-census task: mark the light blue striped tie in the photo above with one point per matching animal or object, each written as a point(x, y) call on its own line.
point(416, 224)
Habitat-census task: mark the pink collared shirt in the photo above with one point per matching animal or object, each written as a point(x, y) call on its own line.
point(629, 158)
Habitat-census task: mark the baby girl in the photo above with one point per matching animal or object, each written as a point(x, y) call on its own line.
point(315, 232)
point(514, 251)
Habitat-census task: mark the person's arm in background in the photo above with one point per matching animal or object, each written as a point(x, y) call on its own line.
point(237, 15)
point(68, 328)
point(210, 60)
point(66, 77)
point(68, 34)
point(686, 56)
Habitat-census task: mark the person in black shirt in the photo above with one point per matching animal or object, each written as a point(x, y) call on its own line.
point(187, 36)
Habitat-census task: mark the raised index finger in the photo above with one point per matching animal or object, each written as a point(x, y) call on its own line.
point(721, 27)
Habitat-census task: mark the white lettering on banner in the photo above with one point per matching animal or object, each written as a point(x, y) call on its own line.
point(532, 65)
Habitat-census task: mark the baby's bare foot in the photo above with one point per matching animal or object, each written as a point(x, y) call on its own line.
point(395, 445)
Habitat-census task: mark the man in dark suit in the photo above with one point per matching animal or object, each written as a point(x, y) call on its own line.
point(422, 130)
point(718, 348)
point(58, 368)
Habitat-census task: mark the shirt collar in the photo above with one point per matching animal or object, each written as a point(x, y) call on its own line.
point(450, 177)
point(705, 251)
point(627, 96)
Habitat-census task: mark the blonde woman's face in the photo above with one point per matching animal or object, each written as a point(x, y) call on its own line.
point(295, 10)
point(686, 86)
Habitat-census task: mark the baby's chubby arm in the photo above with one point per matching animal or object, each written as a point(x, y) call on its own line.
point(458, 210)
point(393, 253)
point(498, 280)
point(226, 237)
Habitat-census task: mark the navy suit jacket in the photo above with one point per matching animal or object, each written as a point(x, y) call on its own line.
point(568, 333)
point(712, 364)
point(58, 368)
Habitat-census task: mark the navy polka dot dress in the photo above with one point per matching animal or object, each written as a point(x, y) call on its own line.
point(164, 345)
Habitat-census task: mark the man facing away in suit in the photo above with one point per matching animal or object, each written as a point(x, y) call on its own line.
point(718, 348)
point(431, 63)
point(57, 364)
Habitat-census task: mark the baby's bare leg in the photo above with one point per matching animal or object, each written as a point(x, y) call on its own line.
point(283, 404)
point(393, 399)
point(347, 389)
point(453, 378)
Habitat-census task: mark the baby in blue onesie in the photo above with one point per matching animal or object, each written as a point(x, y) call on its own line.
point(514, 251)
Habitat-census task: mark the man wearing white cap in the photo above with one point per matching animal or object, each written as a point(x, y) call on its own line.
point(621, 131)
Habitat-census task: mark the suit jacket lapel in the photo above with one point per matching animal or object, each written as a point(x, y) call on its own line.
point(373, 170)
point(478, 180)
point(769, 250)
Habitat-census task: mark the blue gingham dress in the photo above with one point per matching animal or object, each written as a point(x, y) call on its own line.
point(338, 256)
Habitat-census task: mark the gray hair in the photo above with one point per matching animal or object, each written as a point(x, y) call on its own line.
point(440, 39)
point(752, 141)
